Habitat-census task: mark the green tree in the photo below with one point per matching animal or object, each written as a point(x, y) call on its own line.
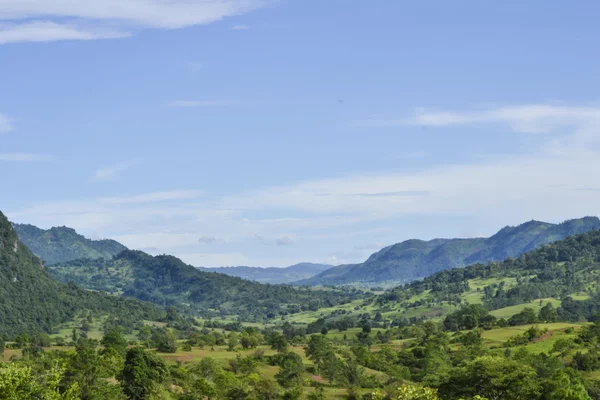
point(278, 343)
point(142, 373)
point(17, 382)
point(318, 347)
point(113, 339)
point(548, 313)
point(232, 341)
point(492, 377)
point(291, 370)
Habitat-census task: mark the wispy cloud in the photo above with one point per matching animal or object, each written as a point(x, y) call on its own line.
point(25, 157)
point(529, 118)
point(113, 171)
point(5, 124)
point(48, 31)
point(199, 103)
point(540, 183)
point(240, 27)
point(42, 20)
point(154, 197)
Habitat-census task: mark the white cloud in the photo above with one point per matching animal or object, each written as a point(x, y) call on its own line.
point(240, 27)
point(529, 118)
point(5, 124)
point(48, 31)
point(199, 103)
point(153, 197)
point(550, 182)
point(24, 157)
point(43, 20)
point(513, 187)
point(113, 171)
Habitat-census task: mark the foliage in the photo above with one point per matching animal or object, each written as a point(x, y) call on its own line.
point(31, 301)
point(141, 373)
point(62, 244)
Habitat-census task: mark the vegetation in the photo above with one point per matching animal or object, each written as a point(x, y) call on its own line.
point(168, 281)
point(62, 244)
point(31, 301)
point(417, 259)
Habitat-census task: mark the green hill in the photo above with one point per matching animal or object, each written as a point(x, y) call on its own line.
point(166, 280)
point(416, 259)
point(273, 275)
point(565, 273)
point(61, 244)
point(32, 301)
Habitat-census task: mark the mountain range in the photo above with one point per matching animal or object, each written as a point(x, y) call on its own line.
point(416, 259)
point(32, 301)
point(273, 275)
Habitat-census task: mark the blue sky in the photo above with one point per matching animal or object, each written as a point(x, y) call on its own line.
point(272, 132)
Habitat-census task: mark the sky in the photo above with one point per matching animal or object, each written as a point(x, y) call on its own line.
point(271, 132)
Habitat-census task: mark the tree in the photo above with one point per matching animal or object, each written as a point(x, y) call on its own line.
point(144, 335)
point(414, 392)
point(492, 377)
point(548, 313)
point(331, 367)
point(17, 382)
point(142, 373)
point(563, 346)
point(233, 341)
point(113, 339)
point(278, 343)
point(317, 348)
point(291, 370)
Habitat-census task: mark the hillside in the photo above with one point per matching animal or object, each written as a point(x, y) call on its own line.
point(62, 244)
point(416, 259)
point(32, 301)
point(566, 272)
point(273, 275)
point(166, 280)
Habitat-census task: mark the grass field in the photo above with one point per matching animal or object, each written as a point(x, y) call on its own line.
point(497, 337)
point(508, 312)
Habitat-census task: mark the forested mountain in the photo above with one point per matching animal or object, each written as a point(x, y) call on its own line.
point(555, 271)
point(273, 275)
point(32, 301)
point(416, 259)
point(166, 280)
point(61, 244)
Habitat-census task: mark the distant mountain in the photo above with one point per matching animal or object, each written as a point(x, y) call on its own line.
point(32, 301)
point(62, 244)
point(416, 259)
point(273, 275)
point(166, 280)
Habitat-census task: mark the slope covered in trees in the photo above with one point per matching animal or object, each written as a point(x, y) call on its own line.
point(32, 301)
point(416, 259)
point(61, 244)
point(273, 275)
point(166, 280)
point(556, 271)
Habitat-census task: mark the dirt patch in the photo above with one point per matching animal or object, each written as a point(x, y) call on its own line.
point(545, 336)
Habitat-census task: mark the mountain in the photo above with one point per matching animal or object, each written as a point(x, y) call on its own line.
point(416, 259)
point(564, 272)
point(166, 280)
point(32, 301)
point(61, 244)
point(273, 275)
